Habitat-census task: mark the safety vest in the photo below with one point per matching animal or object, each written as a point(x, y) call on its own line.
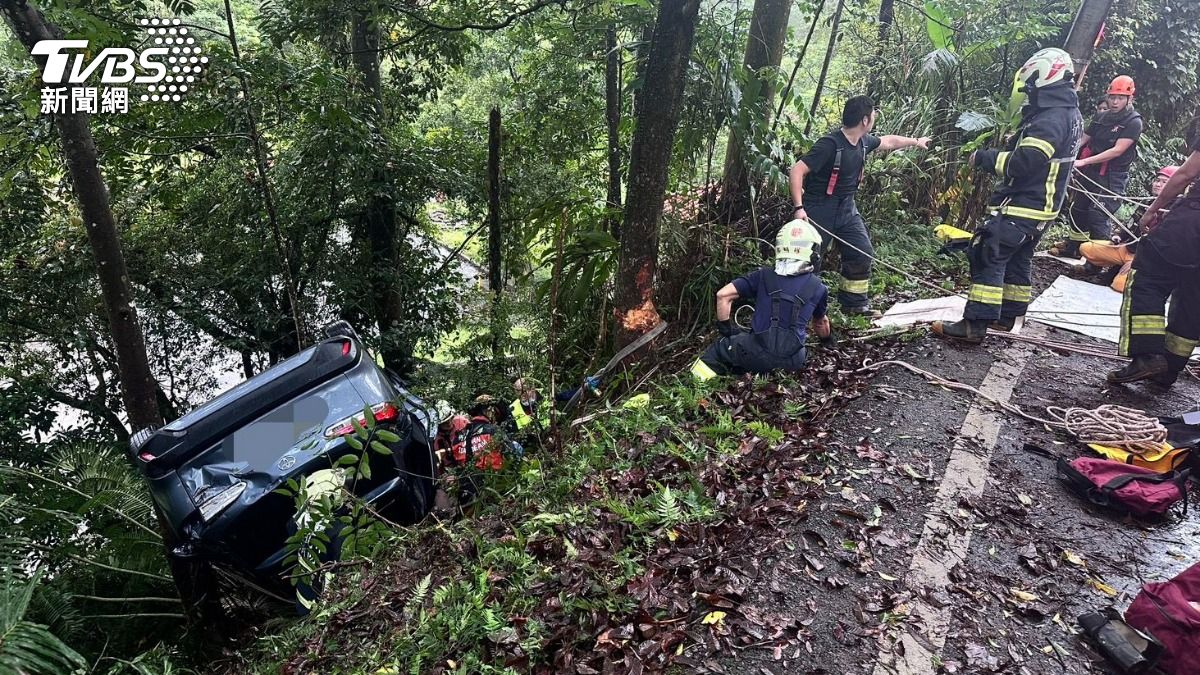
point(522, 418)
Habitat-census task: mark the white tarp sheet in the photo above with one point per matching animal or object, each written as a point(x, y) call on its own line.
point(1073, 262)
point(1080, 307)
point(949, 308)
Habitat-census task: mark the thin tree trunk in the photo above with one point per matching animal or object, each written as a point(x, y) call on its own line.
point(612, 116)
point(1081, 40)
point(764, 49)
point(495, 251)
point(812, 28)
point(642, 57)
point(887, 16)
point(649, 165)
point(138, 388)
point(379, 227)
point(829, 52)
point(286, 259)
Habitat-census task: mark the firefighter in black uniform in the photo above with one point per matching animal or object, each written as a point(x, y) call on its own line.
point(786, 298)
point(1109, 149)
point(823, 184)
point(1033, 171)
point(1167, 264)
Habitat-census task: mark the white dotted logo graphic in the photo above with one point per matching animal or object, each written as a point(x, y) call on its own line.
point(185, 61)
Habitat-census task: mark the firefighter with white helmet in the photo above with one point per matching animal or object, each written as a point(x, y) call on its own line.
point(787, 298)
point(1033, 171)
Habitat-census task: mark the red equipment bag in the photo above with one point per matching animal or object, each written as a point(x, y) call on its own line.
point(1170, 611)
point(1125, 487)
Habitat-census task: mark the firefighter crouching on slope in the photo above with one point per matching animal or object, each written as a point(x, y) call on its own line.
point(1118, 255)
point(1109, 149)
point(1033, 173)
point(1167, 264)
point(786, 298)
point(823, 184)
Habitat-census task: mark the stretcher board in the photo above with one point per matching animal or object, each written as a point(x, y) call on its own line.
point(948, 308)
point(1073, 262)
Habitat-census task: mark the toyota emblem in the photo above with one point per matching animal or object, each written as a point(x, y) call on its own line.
point(287, 462)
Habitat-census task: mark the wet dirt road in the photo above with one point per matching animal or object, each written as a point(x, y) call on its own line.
point(908, 568)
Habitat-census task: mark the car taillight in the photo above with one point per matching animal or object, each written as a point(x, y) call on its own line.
point(346, 348)
point(383, 412)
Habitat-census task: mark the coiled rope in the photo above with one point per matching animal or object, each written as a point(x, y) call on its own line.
point(1112, 425)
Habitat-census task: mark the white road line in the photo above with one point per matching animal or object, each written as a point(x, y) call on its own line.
point(943, 543)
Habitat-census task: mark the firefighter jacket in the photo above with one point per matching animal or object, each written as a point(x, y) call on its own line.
point(1036, 165)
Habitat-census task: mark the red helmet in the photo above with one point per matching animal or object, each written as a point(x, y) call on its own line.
point(1122, 85)
point(1168, 171)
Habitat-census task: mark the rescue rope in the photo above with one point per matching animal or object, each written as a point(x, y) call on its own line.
point(1112, 218)
point(1126, 198)
point(1112, 425)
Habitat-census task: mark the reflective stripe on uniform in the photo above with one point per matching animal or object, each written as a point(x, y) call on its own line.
point(1147, 324)
point(988, 295)
point(1126, 300)
point(1028, 214)
point(1079, 236)
point(1001, 162)
point(1181, 346)
point(702, 372)
point(1051, 187)
point(1014, 293)
point(1031, 142)
point(856, 285)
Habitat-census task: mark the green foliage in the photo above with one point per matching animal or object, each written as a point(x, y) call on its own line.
point(27, 647)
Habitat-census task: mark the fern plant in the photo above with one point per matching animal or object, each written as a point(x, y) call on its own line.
point(27, 647)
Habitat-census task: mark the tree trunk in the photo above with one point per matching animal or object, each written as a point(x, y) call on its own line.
point(138, 388)
point(812, 28)
point(649, 164)
point(829, 52)
point(495, 251)
point(764, 49)
point(287, 261)
point(612, 116)
point(379, 212)
point(1085, 29)
point(642, 57)
point(887, 16)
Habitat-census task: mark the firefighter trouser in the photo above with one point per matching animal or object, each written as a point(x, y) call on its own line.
point(1088, 218)
point(839, 217)
point(1167, 264)
point(745, 353)
point(1109, 255)
point(1001, 256)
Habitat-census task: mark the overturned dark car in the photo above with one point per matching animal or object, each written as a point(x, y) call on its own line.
point(214, 472)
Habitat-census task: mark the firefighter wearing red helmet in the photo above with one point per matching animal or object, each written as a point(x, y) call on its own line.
point(1109, 149)
point(1032, 174)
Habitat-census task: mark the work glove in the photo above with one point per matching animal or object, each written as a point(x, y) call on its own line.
point(726, 328)
point(829, 341)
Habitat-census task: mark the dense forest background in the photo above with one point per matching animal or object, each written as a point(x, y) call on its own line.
point(333, 162)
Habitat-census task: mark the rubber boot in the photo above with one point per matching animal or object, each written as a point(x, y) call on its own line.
point(1143, 367)
point(966, 330)
point(1175, 366)
point(1005, 324)
point(865, 310)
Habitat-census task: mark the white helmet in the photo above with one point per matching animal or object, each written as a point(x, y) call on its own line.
point(797, 248)
point(1048, 66)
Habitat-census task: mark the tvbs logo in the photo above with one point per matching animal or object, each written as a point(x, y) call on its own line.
point(168, 67)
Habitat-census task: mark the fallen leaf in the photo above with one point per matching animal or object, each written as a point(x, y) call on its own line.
point(1023, 596)
point(1073, 558)
point(713, 619)
point(1025, 499)
point(1102, 587)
